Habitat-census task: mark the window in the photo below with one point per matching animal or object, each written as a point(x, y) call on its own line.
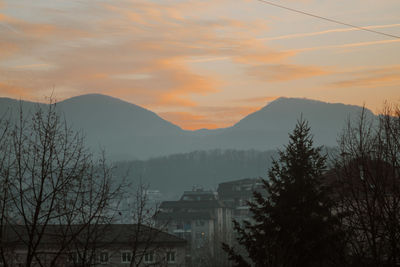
point(171, 256)
point(187, 225)
point(126, 257)
point(104, 257)
point(200, 223)
point(74, 257)
point(200, 235)
point(149, 257)
point(19, 258)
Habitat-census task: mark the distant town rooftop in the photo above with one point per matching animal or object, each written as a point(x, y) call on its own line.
point(199, 194)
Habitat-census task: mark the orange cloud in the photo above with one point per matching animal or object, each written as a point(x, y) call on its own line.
point(157, 41)
point(254, 52)
point(144, 52)
point(378, 77)
point(263, 56)
point(139, 51)
point(22, 27)
point(8, 90)
point(189, 121)
point(259, 100)
point(7, 49)
point(209, 117)
point(21, 38)
point(285, 72)
point(186, 83)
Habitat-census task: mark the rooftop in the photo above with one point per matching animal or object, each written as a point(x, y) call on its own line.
point(104, 234)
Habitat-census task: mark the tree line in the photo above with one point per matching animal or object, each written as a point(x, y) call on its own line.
point(311, 215)
point(176, 173)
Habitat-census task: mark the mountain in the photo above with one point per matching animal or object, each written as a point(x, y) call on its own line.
point(268, 127)
point(124, 130)
point(127, 131)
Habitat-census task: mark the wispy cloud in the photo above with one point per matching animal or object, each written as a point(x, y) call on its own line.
point(176, 57)
point(33, 66)
point(206, 59)
point(285, 72)
point(349, 45)
point(370, 78)
point(209, 117)
point(191, 121)
point(23, 93)
point(258, 100)
point(140, 51)
point(340, 30)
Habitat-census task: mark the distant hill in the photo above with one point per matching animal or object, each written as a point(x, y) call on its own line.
point(268, 128)
point(127, 131)
point(124, 130)
point(173, 174)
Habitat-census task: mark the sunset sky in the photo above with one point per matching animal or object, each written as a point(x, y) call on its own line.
point(200, 63)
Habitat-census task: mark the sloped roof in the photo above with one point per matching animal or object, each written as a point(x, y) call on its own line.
point(194, 204)
point(101, 234)
point(169, 216)
point(241, 181)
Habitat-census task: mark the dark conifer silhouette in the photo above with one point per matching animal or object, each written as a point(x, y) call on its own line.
point(293, 223)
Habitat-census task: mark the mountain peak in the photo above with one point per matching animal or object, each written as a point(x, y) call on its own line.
point(95, 98)
point(268, 127)
point(287, 101)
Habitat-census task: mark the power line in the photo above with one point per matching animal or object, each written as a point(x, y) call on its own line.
point(328, 19)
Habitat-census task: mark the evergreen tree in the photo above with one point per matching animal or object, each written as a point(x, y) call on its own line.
point(292, 224)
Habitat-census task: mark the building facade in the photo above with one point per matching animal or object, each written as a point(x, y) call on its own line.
point(201, 219)
point(236, 194)
point(118, 245)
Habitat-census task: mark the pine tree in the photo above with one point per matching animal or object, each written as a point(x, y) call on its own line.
point(292, 223)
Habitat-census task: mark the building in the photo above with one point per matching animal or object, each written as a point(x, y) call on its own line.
point(201, 219)
point(130, 206)
point(235, 194)
point(108, 245)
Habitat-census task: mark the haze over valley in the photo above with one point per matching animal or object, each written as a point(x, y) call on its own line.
point(167, 158)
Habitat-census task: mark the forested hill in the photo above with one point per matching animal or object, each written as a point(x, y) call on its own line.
point(175, 173)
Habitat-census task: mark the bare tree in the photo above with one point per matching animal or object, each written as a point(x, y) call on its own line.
point(368, 187)
point(4, 182)
point(145, 232)
point(52, 188)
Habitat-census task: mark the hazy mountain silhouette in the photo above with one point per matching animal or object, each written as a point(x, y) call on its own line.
point(268, 127)
point(124, 130)
point(127, 131)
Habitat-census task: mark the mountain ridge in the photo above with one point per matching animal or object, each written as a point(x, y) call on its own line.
point(129, 131)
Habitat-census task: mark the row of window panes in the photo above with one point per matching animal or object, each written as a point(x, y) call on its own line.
point(126, 257)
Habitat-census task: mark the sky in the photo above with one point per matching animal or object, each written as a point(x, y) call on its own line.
point(200, 63)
